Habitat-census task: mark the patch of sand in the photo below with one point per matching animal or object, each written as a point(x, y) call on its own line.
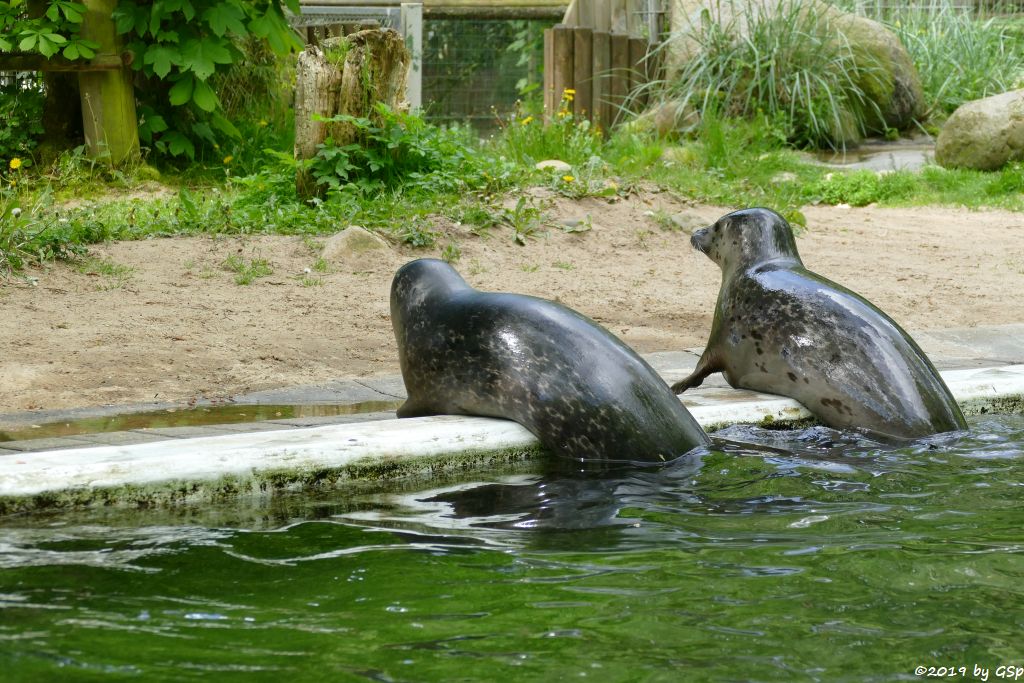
point(179, 328)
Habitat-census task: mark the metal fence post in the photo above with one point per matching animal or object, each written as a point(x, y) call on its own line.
point(412, 30)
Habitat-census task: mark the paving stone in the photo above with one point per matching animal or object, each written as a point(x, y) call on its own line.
point(185, 432)
point(391, 386)
point(4, 451)
point(54, 444)
point(120, 438)
point(340, 391)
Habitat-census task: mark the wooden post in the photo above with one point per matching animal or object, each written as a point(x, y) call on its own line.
point(563, 43)
point(602, 16)
point(619, 76)
point(618, 16)
point(108, 100)
point(549, 73)
point(583, 64)
point(584, 14)
point(637, 73)
point(601, 81)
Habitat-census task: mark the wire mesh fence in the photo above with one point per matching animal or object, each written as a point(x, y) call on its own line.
point(475, 70)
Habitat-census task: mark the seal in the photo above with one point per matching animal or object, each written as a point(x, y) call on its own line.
point(581, 391)
point(782, 329)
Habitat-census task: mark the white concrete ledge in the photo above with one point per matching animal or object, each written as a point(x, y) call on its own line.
point(261, 462)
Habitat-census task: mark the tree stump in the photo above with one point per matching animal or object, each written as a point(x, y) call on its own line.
point(345, 75)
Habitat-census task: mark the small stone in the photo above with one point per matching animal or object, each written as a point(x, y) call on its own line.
point(687, 222)
point(555, 165)
point(351, 244)
point(784, 177)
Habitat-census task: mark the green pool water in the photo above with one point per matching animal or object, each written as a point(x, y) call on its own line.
point(822, 558)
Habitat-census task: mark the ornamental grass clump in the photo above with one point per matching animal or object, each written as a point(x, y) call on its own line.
point(958, 57)
point(782, 61)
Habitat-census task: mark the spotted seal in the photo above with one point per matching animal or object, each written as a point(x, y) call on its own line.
point(574, 385)
point(782, 329)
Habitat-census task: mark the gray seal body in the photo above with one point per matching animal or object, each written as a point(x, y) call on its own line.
point(781, 329)
point(573, 384)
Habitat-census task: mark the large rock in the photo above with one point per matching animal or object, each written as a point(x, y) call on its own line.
point(984, 134)
point(886, 75)
point(352, 245)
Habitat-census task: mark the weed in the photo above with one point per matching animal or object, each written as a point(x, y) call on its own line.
point(563, 265)
point(321, 265)
point(451, 252)
point(247, 273)
point(115, 275)
point(524, 219)
point(530, 267)
point(860, 188)
point(417, 233)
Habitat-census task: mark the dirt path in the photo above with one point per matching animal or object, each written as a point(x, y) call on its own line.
point(178, 327)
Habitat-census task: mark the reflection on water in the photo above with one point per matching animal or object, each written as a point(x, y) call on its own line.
point(193, 417)
point(810, 555)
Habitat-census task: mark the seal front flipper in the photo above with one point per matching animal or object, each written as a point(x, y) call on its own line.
point(413, 408)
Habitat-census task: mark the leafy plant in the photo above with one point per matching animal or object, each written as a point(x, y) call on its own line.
point(525, 218)
point(55, 30)
point(527, 140)
point(179, 45)
point(393, 148)
point(21, 114)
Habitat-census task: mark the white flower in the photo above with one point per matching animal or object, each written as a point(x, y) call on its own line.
point(16, 211)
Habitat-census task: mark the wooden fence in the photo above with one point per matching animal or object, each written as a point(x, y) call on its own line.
point(598, 59)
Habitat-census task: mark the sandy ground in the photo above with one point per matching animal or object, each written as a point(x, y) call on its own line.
point(177, 327)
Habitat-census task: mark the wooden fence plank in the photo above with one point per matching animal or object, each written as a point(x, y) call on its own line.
point(549, 73)
point(602, 15)
point(619, 75)
point(562, 62)
point(600, 95)
point(583, 76)
point(637, 73)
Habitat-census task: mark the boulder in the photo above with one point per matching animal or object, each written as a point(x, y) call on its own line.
point(887, 74)
point(554, 165)
point(984, 134)
point(351, 245)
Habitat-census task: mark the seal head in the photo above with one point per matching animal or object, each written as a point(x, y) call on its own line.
point(573, 384)
point(782, 329)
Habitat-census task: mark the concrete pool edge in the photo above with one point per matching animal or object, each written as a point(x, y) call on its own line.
point(261, 463)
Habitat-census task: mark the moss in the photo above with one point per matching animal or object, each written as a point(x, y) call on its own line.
point(261, 484)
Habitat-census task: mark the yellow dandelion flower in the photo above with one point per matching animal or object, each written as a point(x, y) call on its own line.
point(228, 159)
point(569, 91)
point(527, 120)
point(15, 164)
point(568, 178)
point(263, 123)
point(563, 113)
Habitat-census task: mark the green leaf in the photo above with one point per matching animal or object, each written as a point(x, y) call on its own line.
point(178, 144)
point(275, 29)
point(181, 92)
point(225, 126)
point(5, 45)
point(162, 57)
point(156, 15)
point(202, 56)
point(204, 132)
point(71, 51)
point(204, 96)
point(224, 17)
